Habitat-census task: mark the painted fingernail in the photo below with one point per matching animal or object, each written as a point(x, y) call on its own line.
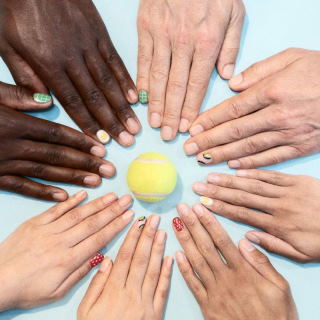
point(242, 173)
point(196, 129)
point(191, 148)
point(142, 222)
point(125, 201)
point(247, 245)
point(109, 198)
point(92, 181)
point(155, 120)
point(105, 265)
point(98, 258)
point(205, 158)
point(98, 151)
point(143, 97)
point(103, 136)
point(199, 187)
point(236, 80)
point(154, 222)
point(59, 196)
point(126, 138)
point(213, 178)
point(132, 96)
point(133, 125)
point(253, 237)
point(166, 133)
point(206, 201)
point(184, 125)
point(107, 170)
point(128, 215)
point(181, 258)
point(228, 71)
point(178, 224)
point(41, 98)
point(161, 236)
point(234, 164)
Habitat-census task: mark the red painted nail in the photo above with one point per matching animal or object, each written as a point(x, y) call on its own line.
point(178, 224)
point(98, 258)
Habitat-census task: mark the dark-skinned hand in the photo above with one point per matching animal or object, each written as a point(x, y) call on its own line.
point(65, 46)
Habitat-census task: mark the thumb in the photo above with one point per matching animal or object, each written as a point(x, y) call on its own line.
point(21, 98)
point(264, 69)
point(261, 264)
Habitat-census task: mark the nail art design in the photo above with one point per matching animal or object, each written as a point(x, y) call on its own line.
point(103, 136)
point(41, 98)
point(178, 224)
point(207, 156)
point(143, 97)
point(98, 258)
point(206, 201)
point(141, 222)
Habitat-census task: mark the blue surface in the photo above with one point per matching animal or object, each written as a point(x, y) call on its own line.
point(270, 27)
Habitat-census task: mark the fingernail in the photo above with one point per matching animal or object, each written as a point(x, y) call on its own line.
point(178, 224)
point(253, 237)
point(126, 138)
point(199, 187)
point(107, 170)
point(132, 95)
point(166, 133)
point(41, 98)
point(213, 178)
point(125, 201)
point(133, 125)
point(228, 71)
point(92, 181)
point(184, 125)
point(81, 194)
point(183, 209)
point(247, 245)
point(196, 129)
point(205, 158)
point(191, 148)
point(59, 196)
point(199, 210)
point(161, 236)
point(105, 265)
point(128, 215)
point(236, 80)
point(154, 222)
point(206, 201)
point(181, 258)
point(103, 136)
point(98, 151)
point(234, 164)
point(242, 173)
point(155, 120)
point(141, 222)
point(109, 198)
point(98, 258)
point(143, 97)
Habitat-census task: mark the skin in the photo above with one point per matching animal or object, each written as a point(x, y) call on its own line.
point(290, 222)
point(276, 117)
point(179, 45)
point(66, 47)
point(55, 248)
point(136, 287)
point(245, 286)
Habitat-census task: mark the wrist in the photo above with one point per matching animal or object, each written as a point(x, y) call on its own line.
point(7, 296)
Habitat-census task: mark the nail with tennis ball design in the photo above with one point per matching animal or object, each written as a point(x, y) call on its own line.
point(143, 97)
point(141, 222)
point(206, 201)
point(41, 98)
point(103, 136)
point(205, 158)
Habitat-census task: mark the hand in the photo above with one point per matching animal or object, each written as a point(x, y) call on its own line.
point(290, 204)
point(180, 42)
point(136, 286)
point(241, 285)
point(274, 119)
point(32, 147)
point(66, 47)
point(55, 247)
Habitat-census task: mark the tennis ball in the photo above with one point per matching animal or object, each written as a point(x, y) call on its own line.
point(152, 177)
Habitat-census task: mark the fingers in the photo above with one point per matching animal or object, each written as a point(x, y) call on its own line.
point(141, 257)
point(159, 75)
point(261, 264)
point(265, 158)
point(122, 263)
point(32, 189)
point(193, 282)
point(96, 287)
point(276, 245)
point(264, 69)
point(21, 98)
point(162, 290)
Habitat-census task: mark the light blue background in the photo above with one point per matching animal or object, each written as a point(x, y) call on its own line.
point(270, 27)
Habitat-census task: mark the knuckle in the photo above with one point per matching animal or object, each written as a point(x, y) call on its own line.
point(176, 86)
point(37, 170)
point(200, 264)
point(91, 164)
point(182, 38)
point(106, 79)
point(273, 91)
point(149, 233)
point(91, 224)
point(236, 132)
point(55, 155)
point(54, 133)
point(112, 56)
point(124, 255)
point(234, 110)
point(158, 74)
point(73, 217)
point(185, 237)
point(71, 100)
point(251, 146)
point(140, 259)
point(94, 97)
point(222, 243)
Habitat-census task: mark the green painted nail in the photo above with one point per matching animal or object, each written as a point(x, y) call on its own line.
point(41, 98)
point(207, 156)
point(143, 97)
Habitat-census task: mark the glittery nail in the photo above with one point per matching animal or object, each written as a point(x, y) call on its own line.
point(98, 258)
point(141, 222)
point(103, 136)
point(143, 97)
point(206, 201)
point(41, 98)
point(178, 224)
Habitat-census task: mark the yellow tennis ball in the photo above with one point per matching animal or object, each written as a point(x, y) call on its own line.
point(152, 177)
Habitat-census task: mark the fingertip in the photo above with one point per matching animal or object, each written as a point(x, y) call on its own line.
point(246, 246)
point(60, 196)
point(132, 96)
point(227, 71)
point(126, 139)
point(236, 81)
